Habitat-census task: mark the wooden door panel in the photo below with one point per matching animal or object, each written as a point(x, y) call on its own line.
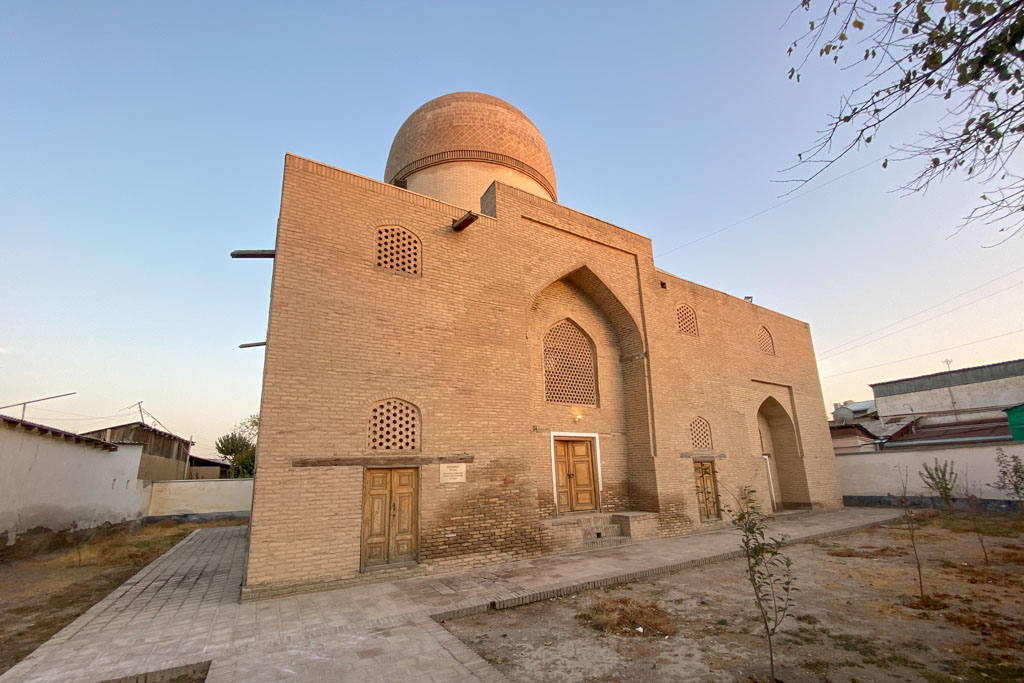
point(562, 476)
point(376, 517)
point(584, 486)
point(404, 538)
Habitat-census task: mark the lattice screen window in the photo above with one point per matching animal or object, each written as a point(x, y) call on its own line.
point(569, 372)
point(700, 434)
point(398, 249)
point(686, 319)
point(765, 341)
point(393, 425)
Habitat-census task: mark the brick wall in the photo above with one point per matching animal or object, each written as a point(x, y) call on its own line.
point(463, 342)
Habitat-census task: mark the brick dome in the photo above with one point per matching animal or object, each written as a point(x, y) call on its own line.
point(471, 128)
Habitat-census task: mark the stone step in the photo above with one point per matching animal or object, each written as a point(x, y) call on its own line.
point(603, 531)
point(612, 542)
point(595, 520)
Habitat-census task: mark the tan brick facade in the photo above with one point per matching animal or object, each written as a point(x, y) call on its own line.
point(462, 341)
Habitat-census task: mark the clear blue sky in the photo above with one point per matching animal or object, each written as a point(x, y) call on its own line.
point(142, 142)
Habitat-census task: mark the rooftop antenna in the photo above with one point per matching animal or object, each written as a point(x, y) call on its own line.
point(24, 404)
point(142, 418)
point(948, 362)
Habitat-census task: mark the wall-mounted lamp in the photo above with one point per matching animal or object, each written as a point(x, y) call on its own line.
point(578, 417)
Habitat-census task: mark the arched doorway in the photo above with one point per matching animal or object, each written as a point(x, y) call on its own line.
point(589, 390)
point(783, 462)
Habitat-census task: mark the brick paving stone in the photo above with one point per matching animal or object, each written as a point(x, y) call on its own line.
point(184, 609)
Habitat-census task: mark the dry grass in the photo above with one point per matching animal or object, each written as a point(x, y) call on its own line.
point(54, 577)
point(629, 617)
point(129, 547)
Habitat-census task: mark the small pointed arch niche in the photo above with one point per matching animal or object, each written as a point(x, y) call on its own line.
point(686, 320)
point(570, 365)
point(765, 341)
point(393, 425)
point(700, 434)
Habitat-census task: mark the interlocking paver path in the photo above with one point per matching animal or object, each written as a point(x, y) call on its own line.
point(184, 609)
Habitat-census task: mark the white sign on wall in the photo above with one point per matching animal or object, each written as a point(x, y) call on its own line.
point(453, 473)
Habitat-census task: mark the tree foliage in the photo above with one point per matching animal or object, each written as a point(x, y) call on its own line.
point(1011, 476)
point(239, 447)
point(965, 55)
point(941, 480)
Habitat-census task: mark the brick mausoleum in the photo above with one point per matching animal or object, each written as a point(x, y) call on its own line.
point(461, 371)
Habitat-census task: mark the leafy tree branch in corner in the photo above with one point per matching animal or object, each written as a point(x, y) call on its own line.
point(966, 55)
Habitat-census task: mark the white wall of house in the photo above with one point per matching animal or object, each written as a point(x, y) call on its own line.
point(997, 392)
point(48, 482)
point(200, 496)
point(875, 474)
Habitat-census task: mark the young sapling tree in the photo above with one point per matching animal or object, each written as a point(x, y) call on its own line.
point(769, 571)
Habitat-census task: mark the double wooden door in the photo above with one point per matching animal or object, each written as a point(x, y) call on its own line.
point(575, 476)
point(390, 517)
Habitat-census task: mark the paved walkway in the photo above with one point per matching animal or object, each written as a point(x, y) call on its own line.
point(184, 609)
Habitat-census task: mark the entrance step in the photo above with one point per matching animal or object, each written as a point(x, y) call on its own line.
point(592, 533)
point(611, 542)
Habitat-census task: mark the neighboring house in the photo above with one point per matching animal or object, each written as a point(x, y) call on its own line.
point(1015, 418)
point(207, 468)
point(852, 412)
point(856, 427)
point(164, 455)
point(959, 416)
point(54, 479)
point(972, 394)
point(461, 371)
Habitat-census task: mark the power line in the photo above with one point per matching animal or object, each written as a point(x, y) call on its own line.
point(921, 322)
point(770, 208)
point(924, 310)
point(948, 348)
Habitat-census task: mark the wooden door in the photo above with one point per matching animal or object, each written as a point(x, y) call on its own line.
point(707, 491)
point(390, 517)
point(576, 486)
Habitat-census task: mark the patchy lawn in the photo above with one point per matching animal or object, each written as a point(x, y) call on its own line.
point(48, 579)
point(854, 619)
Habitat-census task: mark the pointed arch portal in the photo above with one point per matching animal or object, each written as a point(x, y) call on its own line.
point(780, 449)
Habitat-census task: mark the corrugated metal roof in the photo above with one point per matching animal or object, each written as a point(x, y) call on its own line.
point(950, 378)
point(43, 430)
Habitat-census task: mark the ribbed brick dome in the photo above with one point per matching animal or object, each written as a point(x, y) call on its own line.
point(470, 127)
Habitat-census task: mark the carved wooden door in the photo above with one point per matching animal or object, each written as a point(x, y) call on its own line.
point(576, 486)
point(390, 517)
point(707, 491)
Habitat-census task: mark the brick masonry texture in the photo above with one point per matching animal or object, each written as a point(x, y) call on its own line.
point(462, 341)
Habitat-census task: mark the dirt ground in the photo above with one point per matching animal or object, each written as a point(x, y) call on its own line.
point(48, 579)
point(851, 621)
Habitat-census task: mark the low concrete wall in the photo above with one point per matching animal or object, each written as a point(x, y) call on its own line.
point(876, 475)
point(200, 497)
point(50, 482)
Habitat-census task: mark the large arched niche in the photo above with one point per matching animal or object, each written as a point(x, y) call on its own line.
point(621, 418)
point(778, 439)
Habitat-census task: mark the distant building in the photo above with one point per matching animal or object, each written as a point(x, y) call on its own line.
point(164, 455)
point(957, 416)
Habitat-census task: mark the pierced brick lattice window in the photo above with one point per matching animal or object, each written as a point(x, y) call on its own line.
point(700, 434)
point(393, 425)
point(765, 341)
point(398, 249)
point(569, 374)
point(686, 319)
